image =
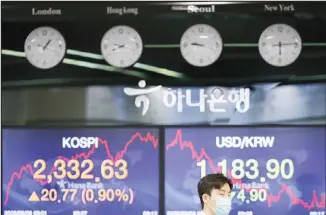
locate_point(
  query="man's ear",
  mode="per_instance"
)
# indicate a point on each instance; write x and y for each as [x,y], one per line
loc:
[205,198]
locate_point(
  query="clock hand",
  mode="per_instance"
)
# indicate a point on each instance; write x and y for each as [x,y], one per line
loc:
[197,44]
[119,47]
[202,45]
[280,48]
[126,46]
[46,45]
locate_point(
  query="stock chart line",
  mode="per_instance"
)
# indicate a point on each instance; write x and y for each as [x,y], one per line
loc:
[178,141]
[18,175]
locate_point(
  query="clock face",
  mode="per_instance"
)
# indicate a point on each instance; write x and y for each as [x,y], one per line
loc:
[121,46]
[280,45]
[201,45]
[45,47]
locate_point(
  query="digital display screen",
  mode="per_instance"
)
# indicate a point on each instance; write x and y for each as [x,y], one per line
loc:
[274,170]
[80,171]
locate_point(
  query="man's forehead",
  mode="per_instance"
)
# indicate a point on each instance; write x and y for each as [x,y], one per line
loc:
[225,188]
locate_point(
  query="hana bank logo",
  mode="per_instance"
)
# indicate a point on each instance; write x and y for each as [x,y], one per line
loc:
[141,97]
[179,98]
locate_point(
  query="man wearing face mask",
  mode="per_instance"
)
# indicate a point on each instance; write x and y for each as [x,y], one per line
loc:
[214,191]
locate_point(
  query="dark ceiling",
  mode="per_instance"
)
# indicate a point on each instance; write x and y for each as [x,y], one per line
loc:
[240,25]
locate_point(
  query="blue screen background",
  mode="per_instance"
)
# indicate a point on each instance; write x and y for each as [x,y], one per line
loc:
[24,146]
[304,145]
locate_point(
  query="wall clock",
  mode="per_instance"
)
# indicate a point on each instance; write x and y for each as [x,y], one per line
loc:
[280,45]
[45,47]
[201,45]
[121,46]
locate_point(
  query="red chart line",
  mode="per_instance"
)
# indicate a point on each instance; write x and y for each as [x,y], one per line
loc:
[177,141]
[28,168]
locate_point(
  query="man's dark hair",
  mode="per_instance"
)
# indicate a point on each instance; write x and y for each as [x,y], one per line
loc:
[210,182]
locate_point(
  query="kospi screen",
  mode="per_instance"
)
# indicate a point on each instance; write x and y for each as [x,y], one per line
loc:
[80,171]
[274,170]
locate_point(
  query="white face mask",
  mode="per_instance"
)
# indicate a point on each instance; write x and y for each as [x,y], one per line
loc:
[223,206]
